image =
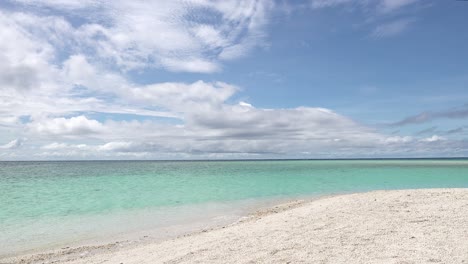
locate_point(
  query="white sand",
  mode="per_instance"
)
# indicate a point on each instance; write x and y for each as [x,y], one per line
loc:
[411,226]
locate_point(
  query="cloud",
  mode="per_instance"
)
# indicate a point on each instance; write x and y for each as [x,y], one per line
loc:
[427,131]
[8,120]
[391,29]
[383,16]
[65,146]
[116,146]
[425,117]
[397,139]
[209,122]
[66,85]
[63,4]
[382,6]
[26,53]
[434,138]
[192,36]
[455,131]
[18,77]
[212,126]
[392,5]
[333,3]
[243,130]
[74,126]
[182,97]
[190,65]
[206,121]
[14,144]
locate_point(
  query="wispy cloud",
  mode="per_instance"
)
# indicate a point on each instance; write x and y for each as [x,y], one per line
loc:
[64,81]
[457,130]
[188,36]
[392,5]
[382,6]
[392,28]
[429,130]
[385,16]
[330,3]
[424,117]
[14,144]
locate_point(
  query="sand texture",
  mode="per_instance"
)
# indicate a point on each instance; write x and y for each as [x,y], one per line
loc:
[408,226]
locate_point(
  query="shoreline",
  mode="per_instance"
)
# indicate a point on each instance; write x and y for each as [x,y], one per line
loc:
[247,209]
[286,212]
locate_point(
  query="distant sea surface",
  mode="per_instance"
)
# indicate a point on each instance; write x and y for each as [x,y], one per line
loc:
[46,204]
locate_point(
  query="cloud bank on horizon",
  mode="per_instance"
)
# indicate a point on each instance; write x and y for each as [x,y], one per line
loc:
[150,80]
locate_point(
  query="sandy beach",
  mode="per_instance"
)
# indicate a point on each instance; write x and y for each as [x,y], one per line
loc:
[405,226]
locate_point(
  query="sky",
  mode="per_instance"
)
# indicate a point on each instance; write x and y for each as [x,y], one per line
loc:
[233,79]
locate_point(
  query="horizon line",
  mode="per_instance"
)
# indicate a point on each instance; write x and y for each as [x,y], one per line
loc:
[261,159]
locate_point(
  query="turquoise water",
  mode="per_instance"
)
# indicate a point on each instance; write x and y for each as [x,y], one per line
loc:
[83,197]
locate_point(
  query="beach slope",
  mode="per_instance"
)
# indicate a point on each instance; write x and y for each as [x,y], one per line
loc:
[404,226]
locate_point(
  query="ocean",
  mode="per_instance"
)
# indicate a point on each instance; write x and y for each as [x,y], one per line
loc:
[49,204]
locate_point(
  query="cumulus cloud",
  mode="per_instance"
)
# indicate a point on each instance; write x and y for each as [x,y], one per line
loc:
[54,65]
[211,125]
[74,126]
[209,122]
[64,85]
[25,58]
[223,128]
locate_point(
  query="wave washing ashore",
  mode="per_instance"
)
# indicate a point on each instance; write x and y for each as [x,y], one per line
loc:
[48,205]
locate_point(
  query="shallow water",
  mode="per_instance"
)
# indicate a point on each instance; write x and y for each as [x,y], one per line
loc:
[50,203]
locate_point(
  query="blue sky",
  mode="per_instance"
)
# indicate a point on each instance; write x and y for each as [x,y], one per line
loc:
[202,79]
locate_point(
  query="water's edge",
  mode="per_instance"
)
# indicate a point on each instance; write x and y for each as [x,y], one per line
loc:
[247,211]
[81,249]
[51,204]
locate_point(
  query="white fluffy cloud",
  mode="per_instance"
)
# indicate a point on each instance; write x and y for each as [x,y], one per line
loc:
[434,138]
[74,126]
[25,57]
[64,86]
[212,125]
[206,121]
